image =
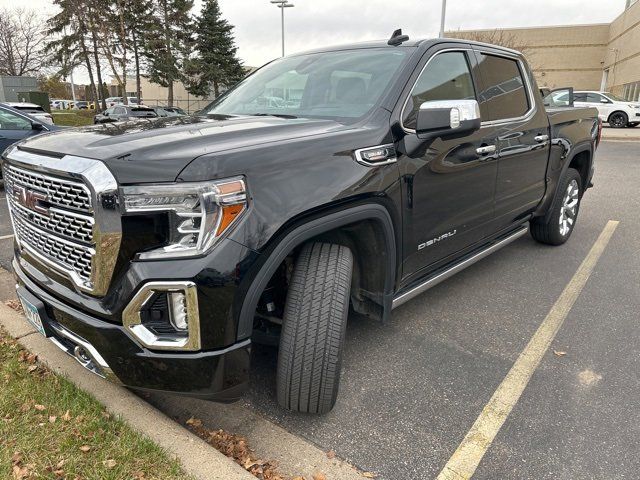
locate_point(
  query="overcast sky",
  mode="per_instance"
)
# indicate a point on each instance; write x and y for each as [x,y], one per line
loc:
[314,23]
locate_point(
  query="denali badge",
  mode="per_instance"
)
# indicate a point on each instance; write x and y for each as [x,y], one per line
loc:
[437,239]
[30,199]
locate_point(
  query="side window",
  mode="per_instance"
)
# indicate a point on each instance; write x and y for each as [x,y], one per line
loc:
[109,111]
[120,111]
[505,95]
[11,121]
[596,98]
[446,77]
[579,97]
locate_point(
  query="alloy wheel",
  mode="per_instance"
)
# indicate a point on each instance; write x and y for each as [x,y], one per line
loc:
[617,120]
[569,209]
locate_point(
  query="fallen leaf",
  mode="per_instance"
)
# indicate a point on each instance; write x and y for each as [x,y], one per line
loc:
[331,454]
[39,407]
[85,448]
[52,419]
[559,354]
[59,473]
[20,472]
[319,476]
[67,416]
[31,358]
[60,464]
[16,458]
[368,475]
[110,463]
[194,422]
[14,304]
[32,368]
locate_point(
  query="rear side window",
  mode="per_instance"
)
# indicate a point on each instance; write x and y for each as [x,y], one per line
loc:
[446,77]
[505,95]
[579,97]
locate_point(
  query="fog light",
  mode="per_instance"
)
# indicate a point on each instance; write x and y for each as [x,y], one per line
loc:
[164,316]
[178,310]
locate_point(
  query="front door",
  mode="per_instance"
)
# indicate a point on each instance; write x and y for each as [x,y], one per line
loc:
[448,183]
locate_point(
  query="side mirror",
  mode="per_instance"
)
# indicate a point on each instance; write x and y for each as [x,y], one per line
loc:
[37,126]
[447,117]
[604,100]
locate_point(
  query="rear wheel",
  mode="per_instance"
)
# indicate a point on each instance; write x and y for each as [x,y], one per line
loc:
[313,330]
[566,205]
[618,120]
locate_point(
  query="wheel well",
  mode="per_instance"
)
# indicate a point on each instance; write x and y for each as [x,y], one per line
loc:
[366,240]
[581,163]
[613,113]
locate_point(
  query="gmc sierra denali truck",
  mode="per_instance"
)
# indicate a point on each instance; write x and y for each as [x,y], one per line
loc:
[345,179]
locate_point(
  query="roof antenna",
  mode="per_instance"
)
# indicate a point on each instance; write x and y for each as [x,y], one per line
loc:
[397,38]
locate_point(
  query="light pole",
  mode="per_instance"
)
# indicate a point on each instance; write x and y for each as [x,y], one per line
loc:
[442,17]
[282,4]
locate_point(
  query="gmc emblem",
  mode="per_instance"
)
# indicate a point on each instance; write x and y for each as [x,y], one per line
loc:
[30,199]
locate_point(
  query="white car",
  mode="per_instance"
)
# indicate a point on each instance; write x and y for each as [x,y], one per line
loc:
[34,110]
[113,101]
[614,110]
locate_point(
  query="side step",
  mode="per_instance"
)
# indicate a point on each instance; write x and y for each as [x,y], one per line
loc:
[430,282]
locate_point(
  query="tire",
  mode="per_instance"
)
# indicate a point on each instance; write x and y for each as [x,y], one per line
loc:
[314,326]
[565,209]
[618,120]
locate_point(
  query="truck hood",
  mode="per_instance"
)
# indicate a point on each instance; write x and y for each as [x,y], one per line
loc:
[157,150]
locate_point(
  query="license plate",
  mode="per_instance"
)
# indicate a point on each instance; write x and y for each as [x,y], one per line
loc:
[32,314]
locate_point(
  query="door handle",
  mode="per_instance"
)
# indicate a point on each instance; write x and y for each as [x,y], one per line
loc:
[486,150]
[541,138]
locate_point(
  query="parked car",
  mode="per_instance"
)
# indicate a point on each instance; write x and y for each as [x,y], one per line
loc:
[16,125]
[34,110]
[84,105]
[405,162]
[61,104]
[112,101]
[169,111]
[121,113]
[615,111]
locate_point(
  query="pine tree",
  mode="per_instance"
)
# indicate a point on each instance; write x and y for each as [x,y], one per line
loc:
[167,42]
[215,62]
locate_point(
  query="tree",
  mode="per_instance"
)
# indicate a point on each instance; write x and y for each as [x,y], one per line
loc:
[68,46]
[138,23]
[114,41]
[54,86]
[215,62]
[22,42]
[168,42]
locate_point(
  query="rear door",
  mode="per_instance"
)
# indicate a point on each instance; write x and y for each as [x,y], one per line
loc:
[520,133]
[448,182]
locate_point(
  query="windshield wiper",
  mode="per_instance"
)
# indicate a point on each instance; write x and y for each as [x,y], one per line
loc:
[279,115]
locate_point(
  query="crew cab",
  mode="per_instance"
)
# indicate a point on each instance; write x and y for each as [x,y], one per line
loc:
[157,252]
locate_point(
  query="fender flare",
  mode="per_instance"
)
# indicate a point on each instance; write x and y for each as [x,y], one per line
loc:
[304,232]
[585,147]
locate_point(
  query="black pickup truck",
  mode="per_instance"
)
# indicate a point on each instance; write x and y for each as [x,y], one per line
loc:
[344,179]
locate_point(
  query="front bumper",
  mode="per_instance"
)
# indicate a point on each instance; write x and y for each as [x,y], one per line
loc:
[109,351]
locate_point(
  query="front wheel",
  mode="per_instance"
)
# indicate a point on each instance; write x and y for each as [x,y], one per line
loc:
[618,120]
[562,220]
[313,330]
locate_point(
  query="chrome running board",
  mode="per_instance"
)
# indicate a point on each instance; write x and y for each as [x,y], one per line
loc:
[449,272]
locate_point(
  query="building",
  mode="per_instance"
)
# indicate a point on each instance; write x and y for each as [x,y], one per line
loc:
[587,57]
[11,87]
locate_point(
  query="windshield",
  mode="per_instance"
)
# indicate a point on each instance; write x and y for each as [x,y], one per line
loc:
[614,97]
[142,112]
[336,85]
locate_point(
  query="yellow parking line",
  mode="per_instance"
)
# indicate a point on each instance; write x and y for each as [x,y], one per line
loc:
[465,460]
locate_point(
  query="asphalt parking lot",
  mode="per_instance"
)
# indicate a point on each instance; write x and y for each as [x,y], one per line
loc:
[412,389]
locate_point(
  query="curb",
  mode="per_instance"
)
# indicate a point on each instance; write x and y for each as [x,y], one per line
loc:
[196,456]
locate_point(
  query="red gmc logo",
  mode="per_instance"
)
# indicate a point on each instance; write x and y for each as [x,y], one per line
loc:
[30,199]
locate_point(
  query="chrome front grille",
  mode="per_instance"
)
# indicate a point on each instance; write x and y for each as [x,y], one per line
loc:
[59,216]
[60,235]
[63,193]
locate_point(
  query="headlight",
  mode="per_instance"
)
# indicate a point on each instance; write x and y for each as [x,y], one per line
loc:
[199,213]
[634,106]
